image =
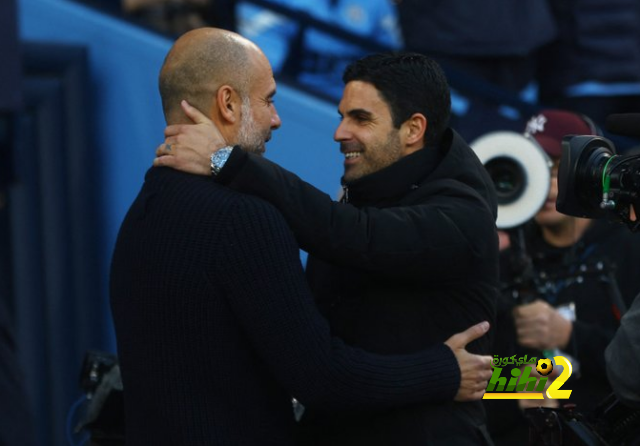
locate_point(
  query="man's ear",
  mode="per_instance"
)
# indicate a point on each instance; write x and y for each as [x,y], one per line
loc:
[416,128]
[227,102]
[412,132]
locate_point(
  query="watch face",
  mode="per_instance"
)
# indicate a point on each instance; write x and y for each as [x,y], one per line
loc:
[219,158]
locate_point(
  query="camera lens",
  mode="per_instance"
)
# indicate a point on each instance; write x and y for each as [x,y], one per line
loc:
[508,177]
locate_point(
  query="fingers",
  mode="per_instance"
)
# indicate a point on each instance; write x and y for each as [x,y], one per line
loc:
[475,372]
[472,389]
[165,149]
[166,161]
[460,340]
[194,114]
[532,309]
[172,130]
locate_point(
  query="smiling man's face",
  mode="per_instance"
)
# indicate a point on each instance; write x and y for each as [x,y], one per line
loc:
[366,133]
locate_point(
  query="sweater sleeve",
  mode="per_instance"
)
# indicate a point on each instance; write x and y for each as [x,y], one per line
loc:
[270,298]
[433,238]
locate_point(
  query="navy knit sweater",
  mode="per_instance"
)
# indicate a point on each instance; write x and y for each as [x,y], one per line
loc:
[216,327]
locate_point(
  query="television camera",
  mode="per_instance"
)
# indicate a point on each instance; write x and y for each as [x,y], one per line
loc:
[594,181]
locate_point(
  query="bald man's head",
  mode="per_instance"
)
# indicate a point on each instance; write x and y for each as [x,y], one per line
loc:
[199,63]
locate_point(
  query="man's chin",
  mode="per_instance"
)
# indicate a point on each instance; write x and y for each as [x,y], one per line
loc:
[350,177]
[260,150]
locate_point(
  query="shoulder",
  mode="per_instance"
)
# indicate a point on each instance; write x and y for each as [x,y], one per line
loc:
[201,199]
[254,222]
[250,207]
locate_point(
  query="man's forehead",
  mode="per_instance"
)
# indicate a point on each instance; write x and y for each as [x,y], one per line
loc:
[264,85]
[359,95]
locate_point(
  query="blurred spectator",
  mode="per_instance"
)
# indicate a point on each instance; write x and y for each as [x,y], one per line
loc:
[179,16]
[481,45]
[172,16]
[593,67]
[623,357]
[583,275]
[314,58]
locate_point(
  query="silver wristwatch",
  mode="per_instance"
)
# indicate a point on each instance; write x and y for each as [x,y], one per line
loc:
[219,158]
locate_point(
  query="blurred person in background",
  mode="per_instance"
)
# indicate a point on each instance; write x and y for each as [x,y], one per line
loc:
[584,273]
[483,46]
[623,357]
[309,56]
[593,66]
[179,16]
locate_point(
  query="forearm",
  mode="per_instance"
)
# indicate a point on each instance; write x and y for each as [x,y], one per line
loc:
[404,239]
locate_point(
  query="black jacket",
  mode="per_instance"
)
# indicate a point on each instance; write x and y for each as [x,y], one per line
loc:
[217,329]
[407,259]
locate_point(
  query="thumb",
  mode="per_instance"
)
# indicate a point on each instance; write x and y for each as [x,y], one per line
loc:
[460,340]
[194,114]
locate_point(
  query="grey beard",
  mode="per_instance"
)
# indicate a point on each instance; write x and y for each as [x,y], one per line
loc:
[249,136]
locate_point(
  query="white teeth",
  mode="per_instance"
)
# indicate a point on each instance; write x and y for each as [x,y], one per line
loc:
[351,155]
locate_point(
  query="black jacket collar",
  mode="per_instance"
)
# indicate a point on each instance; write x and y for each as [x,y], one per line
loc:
[394,181]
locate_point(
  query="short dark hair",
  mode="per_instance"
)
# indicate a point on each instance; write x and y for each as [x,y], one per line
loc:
[409,83]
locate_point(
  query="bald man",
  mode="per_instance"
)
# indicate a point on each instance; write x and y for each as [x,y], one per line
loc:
[216,327]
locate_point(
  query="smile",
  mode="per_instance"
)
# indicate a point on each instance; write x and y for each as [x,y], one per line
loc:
[351,155]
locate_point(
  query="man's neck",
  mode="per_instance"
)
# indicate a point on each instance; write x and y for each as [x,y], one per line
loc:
[565,234]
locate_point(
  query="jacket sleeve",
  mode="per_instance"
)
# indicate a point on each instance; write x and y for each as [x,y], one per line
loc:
[588,342]
[623,357]
[434,238]
[275,309]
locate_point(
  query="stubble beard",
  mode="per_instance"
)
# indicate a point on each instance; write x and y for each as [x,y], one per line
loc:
[250,138]
[374,158]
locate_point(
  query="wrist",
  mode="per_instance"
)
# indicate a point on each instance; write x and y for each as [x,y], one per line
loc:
[218,159]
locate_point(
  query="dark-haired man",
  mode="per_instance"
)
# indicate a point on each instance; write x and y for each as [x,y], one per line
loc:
[410,252]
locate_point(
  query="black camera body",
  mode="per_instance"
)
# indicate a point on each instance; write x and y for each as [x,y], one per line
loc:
[595,182]
[612,423]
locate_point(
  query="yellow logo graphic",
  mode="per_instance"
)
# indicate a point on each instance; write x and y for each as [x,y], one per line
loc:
[544,366]
[521,381]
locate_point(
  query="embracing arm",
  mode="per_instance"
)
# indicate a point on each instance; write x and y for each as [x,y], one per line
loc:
[431,238]
[275,309]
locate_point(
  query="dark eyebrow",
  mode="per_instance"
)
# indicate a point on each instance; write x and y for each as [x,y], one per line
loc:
[360,113]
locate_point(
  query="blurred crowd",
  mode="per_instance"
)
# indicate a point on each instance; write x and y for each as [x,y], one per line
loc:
[504,60]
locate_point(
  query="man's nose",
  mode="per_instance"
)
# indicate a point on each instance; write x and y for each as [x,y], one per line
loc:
[341,133]
[275,120]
